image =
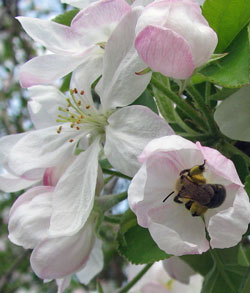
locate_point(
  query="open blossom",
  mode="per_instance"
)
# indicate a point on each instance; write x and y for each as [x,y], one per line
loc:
[174,38]
[73,48]
[79,119]
[170,223]
[54,257]
[159,278]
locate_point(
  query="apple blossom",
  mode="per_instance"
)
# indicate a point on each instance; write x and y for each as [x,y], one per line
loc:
[73,48]
[54,257]
[171,225]
[233,117]
[157,279]
[79,119]
[173,37]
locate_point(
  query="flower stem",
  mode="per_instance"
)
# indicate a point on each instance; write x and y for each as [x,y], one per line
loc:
[115,173]
[135,279]
[108,201]
[205,110]
[232,149]
[180,103]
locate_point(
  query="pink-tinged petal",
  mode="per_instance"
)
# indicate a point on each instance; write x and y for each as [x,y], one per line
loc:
[178,269]
[165,51]
[185,19]
[45,69]
[227,227]
[226,168]
[183,153]
[43,105]
[125,141]
[30,217]
[59,257]
[56,37]
[12,183]
[157,176]
[41,148]
[170,225]
[73,198]
[94,264]
[53,174]
[120,83]
[63,284]
[98,20]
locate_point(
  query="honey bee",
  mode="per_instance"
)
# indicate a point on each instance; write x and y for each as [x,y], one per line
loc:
[193,191]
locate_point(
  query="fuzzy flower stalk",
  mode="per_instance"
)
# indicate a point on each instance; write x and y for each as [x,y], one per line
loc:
[191,175]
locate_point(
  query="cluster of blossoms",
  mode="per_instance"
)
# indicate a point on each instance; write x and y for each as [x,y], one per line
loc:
[114,45]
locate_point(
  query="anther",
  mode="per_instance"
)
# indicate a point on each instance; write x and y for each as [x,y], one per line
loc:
[78,121]
[71,140]
[72,116]
[79,103]
[82,92]
[82,116]
[77,128]
[72,125]
[59,129]
[75,91]
[87,107]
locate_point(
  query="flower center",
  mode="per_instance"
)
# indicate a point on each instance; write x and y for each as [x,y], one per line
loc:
[81,113]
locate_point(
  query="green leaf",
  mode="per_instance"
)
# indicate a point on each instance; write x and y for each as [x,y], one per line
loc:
[233,70]
[241,167]
[66,17]
[136,244]
[146,99]
[227,18]
[203,263]
[245,284]
[224,280]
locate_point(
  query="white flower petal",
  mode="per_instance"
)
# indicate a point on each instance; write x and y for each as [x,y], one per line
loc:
[78,3]
[30,217]
[227,227]
[128,132]
[58,257]
[120,83]
[73,198]
[63,284]
[58,38]
[94,264]
[233,117]
[43,105]
[178,269]
[42,148]
[175,230]
[12,183]
[45,69]
[88,72]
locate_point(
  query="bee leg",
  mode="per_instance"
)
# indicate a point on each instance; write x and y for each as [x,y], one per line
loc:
[176,199]
[197,209]
[188,204]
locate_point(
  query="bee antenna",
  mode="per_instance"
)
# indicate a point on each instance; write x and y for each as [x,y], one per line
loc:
[167,196]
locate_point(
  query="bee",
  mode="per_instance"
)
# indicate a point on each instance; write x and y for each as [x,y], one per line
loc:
[193,191]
